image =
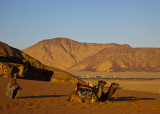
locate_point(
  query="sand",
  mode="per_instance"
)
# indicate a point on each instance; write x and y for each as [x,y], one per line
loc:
[51,98]
[133,84]
[139,81]
[127,74]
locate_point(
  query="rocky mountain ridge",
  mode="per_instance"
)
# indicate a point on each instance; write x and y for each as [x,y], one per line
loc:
[68,54]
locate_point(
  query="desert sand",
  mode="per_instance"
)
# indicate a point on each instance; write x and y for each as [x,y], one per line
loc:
[51,98]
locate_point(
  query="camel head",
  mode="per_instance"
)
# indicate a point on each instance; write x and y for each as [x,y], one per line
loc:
[102,83]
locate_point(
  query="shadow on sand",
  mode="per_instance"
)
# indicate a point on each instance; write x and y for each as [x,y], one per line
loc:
[41,96]
[133,99]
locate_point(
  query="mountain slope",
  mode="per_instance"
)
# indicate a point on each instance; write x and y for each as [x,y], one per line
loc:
[63,52]
[15,63]
[122,59]
[67,54]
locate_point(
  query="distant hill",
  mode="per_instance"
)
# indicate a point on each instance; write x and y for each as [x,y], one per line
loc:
[15,63]
[68,54]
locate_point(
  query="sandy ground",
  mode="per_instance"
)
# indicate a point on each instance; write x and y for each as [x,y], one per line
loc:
[38,97]
[128,74]
[132,84]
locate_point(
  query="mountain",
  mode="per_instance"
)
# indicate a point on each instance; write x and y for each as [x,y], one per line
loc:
[68,54]
[118,59]
[15,63]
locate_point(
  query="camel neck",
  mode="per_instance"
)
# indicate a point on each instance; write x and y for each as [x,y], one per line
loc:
[100,89]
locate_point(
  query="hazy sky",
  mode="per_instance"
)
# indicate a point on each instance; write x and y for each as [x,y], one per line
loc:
[134,22]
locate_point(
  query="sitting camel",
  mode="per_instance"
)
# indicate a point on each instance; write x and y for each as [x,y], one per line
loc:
[84,93]
[106,96]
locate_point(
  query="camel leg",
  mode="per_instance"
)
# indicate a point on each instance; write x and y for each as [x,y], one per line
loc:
[111,90]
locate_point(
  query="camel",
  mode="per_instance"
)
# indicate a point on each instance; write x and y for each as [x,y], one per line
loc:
[92,94]
[106,96]
[77,96]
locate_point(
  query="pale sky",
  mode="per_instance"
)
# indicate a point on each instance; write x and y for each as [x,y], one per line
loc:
[26,22]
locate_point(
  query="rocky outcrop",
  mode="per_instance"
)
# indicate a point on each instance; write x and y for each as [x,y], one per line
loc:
[67,54]
[12,67]
[15,63]
[11,70]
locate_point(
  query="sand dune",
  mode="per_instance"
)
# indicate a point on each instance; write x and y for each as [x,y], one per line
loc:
[50,98]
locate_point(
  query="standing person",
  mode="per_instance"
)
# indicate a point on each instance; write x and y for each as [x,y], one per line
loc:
[13,89]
